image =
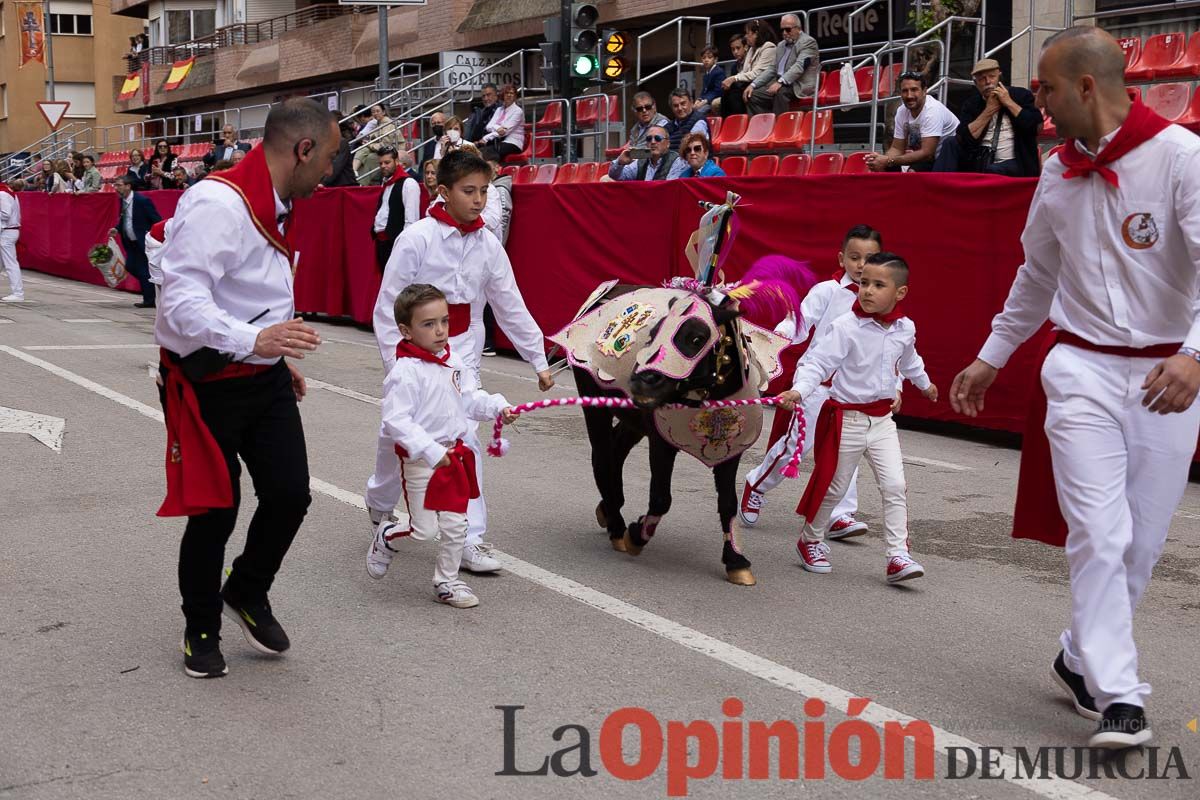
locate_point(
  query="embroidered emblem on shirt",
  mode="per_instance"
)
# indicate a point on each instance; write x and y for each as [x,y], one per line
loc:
[456,379]
[621,331]
[1139,231]
[176,456]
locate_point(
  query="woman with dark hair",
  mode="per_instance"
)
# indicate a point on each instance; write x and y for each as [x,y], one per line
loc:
[162,163]
[758,66]
[139,171]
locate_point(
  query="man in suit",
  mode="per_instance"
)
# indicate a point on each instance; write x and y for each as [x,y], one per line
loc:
[225,149]
[798,66]
[998,129]
[476,126]
[135,217]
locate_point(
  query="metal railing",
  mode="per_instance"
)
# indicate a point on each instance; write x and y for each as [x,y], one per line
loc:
[679,60]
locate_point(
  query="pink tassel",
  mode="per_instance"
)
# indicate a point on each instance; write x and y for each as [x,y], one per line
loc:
[792,470]
[498,448]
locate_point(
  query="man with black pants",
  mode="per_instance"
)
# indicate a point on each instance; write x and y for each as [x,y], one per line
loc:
[135,218]
[226,323]
[998,130]
[399,205]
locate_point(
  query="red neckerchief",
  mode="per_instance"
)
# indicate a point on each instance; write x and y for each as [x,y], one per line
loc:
[889,317]
[251,179]
[407,349]
[827,446]
[1139,127]
[440,213]
[159,231]
[851,286]
[6,189]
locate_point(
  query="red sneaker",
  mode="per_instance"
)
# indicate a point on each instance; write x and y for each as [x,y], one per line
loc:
[814,556]
[752,503]
[903,568]
[845,527]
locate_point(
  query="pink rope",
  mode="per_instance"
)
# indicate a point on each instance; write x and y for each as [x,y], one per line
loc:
[499,445]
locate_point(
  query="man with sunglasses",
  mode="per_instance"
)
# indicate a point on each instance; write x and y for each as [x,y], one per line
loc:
[663,163]
[645,111]
[798,66]
[923,124]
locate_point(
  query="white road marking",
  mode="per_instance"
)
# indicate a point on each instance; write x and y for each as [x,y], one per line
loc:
[756,666]
[347,341]
[6,321]
[46,429]
[85,320]
[89,346]
[313,383]
[933,462]
[111,294]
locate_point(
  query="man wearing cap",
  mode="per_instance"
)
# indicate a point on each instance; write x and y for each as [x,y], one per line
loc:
[998,131]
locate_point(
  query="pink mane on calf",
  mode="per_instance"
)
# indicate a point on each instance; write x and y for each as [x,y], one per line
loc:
[779,285]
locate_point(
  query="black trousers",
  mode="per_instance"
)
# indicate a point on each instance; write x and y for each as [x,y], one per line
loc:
[257,418]
[953,157]
[732,101]
[506,149]
[383,251]
[137,266]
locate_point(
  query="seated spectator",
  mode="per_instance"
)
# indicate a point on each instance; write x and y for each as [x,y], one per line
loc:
[138,173]
[221,166]
[481,115]
[663,163]
[758,68]
[342,171]
[48,180]
[224,150]
[180,177]
[75,163]
[429,184]
[797,70]
[373,138]
[710,89]
[695,150]
[506,130]
[452,136]
[686,118]
[92,179]
[645,111]
[922,125]
[997,131]
[162,163]
[238,155]
[69,182]
[437,129]
[19,185]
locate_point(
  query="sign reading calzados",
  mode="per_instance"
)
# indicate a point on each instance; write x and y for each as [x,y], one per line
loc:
[474,69]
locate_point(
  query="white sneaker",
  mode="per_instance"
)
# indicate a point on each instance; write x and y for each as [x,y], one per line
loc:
[457,594]
[378,517]
[380,554]
[479,558]
[13,298]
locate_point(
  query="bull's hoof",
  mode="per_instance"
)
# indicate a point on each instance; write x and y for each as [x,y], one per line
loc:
[740,577]
[601,519]
[627,545]
[619,545]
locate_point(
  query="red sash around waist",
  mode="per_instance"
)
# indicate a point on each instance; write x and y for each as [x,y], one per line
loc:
[460,318]
[1037,514]
[453,486]
[827,447]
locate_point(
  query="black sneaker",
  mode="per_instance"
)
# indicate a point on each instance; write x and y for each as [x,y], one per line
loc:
[202,655]
[488,352]
[262,630]
[1123,726]
[1072,683]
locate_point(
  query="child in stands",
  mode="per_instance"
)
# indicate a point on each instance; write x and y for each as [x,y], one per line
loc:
[429,398]
[824,303]
[863,352]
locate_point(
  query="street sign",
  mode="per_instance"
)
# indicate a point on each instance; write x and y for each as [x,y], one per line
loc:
[53,111]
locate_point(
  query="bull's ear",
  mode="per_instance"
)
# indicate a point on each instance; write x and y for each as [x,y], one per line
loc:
[726,313]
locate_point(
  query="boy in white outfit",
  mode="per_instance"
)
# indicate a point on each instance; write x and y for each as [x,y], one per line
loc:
[863,352]
[10,231]
[823,304]
[428,402]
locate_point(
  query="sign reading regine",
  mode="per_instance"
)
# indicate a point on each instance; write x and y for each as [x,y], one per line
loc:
[474,69]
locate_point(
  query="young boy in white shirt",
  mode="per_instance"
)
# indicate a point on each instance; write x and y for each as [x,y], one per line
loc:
[429,399]
[863,352]
[823,304]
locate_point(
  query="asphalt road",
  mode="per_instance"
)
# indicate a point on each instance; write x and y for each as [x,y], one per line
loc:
[388,694]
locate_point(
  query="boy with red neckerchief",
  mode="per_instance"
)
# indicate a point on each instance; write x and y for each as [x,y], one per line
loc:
[429,398]
[864,352]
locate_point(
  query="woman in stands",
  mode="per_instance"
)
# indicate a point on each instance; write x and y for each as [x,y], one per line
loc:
[48,180]
[69,182]
[506,131]
[760,40]
[452,135]
[162,163]
[695,149]
[138,172]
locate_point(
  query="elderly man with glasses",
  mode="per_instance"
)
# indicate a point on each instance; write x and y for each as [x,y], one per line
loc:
[645,111]
[798,66]
[663,163]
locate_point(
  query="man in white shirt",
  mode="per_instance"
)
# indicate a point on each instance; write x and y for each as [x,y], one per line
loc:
[1112,245]
[922,124]
[10,231]
[399,205]
[226,322]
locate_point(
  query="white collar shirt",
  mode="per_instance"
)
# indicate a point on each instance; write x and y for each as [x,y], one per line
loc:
[219,273]
[865,358]
[472,270]
[427,406]
[823,304]
[411,192]
[1114,266]
[10,211]
[127,217]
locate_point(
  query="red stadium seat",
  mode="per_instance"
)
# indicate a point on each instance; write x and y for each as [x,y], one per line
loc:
[714,127]
[545,149]
[733,128]
[508,170]
[566,173]
[525,175]
[1049,131]
[1191,118]
[1134,92]
[586,172]
[794,165]
[764,167]
[1160,53]
[587,111]
[552,118]
[614,108]
[864,78]
[734,166]
[827,164]
[1046,154]
[1169,100]
[1132,45]
[824,128]
[758,132]
[1189,65]
[856,164]
[888,78]
[545,173]
[787,135]
[831,89]
[114,158]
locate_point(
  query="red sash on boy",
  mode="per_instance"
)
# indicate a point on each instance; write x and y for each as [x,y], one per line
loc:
[1140,126]
[251,179]
[1037,514]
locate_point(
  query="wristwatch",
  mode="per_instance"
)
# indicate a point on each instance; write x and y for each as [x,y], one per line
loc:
[1190,352]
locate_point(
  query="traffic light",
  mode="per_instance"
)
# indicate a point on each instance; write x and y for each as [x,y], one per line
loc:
[615,65]
[584,38]
[552,55]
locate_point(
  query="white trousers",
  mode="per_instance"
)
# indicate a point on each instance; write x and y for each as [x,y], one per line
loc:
[384,488]
[425,524]
[767,475]
[8,255]
[877,439]
[1120,472]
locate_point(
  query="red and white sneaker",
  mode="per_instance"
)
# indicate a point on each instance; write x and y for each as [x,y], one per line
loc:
[814,556]
[903,568]
[752,503]
[845,527]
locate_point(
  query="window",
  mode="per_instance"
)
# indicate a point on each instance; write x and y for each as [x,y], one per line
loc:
[184,26]
[81,96]
[3,97]
[71,24]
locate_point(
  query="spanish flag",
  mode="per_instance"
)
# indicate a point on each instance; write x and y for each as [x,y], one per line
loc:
[133,83]
[179,71]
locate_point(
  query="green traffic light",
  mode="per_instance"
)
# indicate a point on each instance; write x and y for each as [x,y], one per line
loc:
[585,65]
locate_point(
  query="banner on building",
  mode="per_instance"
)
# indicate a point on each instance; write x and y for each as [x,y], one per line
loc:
[129,89]
[179,72]
[33,33]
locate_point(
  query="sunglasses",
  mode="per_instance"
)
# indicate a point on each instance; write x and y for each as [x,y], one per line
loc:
[656,138]
[911,76]
[786,28]
[696,148]
[643,108]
